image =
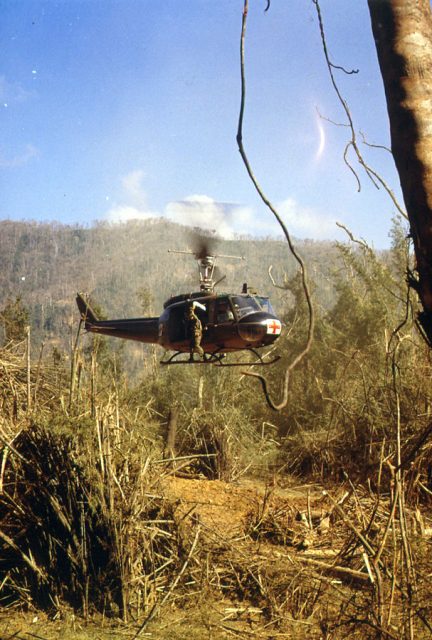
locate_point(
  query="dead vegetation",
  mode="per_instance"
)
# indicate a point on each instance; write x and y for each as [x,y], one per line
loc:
[94,520]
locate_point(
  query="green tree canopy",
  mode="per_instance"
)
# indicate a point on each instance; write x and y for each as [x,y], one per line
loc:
[14,317]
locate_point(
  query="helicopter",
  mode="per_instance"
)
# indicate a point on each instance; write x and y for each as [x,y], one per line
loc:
[230,322]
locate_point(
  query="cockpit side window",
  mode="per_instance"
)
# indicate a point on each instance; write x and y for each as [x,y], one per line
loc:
[223,311]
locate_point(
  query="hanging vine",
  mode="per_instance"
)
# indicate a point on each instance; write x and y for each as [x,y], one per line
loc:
[277,406]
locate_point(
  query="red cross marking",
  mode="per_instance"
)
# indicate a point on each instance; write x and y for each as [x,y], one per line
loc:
[273,326]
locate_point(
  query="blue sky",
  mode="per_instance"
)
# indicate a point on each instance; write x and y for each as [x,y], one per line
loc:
[121,109]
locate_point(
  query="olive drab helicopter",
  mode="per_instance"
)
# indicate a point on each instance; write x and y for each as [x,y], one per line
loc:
[228,322]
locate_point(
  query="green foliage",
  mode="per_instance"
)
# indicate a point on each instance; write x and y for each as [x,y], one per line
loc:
[146,300]
[342,398]
[15,318]
[400,256]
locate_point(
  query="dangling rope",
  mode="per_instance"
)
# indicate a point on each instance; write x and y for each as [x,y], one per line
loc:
[274,405]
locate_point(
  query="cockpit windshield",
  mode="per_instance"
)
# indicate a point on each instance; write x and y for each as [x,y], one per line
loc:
[243,305]
[265,304]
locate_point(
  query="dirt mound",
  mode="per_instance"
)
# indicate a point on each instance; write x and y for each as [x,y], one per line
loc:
[230,510]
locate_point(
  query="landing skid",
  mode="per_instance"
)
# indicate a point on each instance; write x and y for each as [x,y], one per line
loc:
[218,360]
[208,358]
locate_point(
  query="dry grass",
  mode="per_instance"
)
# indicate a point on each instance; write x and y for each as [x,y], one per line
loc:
[90,524]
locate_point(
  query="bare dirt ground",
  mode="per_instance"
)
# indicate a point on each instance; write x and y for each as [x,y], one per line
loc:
[274,564]
[225,507]
[226,513]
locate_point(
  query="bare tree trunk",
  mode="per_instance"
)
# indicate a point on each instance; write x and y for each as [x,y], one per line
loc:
[403,36]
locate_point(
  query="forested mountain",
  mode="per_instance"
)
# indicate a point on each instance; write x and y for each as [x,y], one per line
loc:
[128,271]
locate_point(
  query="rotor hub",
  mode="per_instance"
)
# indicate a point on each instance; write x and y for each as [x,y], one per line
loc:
[206,267]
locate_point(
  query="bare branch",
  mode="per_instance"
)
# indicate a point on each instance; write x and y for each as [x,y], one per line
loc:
[350,167]
[302,267]
[374,146]
[326,119]
[372,257]
[350,235]
[336,66]
[277,286]
[372,175]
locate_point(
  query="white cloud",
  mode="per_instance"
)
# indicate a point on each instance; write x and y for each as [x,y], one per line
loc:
[225,218]
[306,223]
[203,212]
[254,224]
[132,184]
[135,205]
[123,213]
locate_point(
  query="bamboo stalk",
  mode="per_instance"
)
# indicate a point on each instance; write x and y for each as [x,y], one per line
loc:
[73,365]
[27,558]
[38,373]
[336,569]
[28,342]
[173,585]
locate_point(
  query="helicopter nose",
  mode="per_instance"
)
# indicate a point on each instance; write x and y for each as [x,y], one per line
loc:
[262,328]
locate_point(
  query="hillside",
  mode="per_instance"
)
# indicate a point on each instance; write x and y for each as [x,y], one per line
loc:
[47,263]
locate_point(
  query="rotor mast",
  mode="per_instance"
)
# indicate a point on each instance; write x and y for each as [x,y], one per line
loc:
[206,268]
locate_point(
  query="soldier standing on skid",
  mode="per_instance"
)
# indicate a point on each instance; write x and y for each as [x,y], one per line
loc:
[194,332]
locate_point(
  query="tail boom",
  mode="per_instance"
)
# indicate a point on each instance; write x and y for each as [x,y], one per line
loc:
[138,329]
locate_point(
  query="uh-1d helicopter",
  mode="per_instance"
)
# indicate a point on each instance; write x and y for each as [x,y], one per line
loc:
[229,322]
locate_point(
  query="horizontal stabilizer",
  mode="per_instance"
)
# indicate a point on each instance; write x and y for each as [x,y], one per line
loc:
[87,313]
